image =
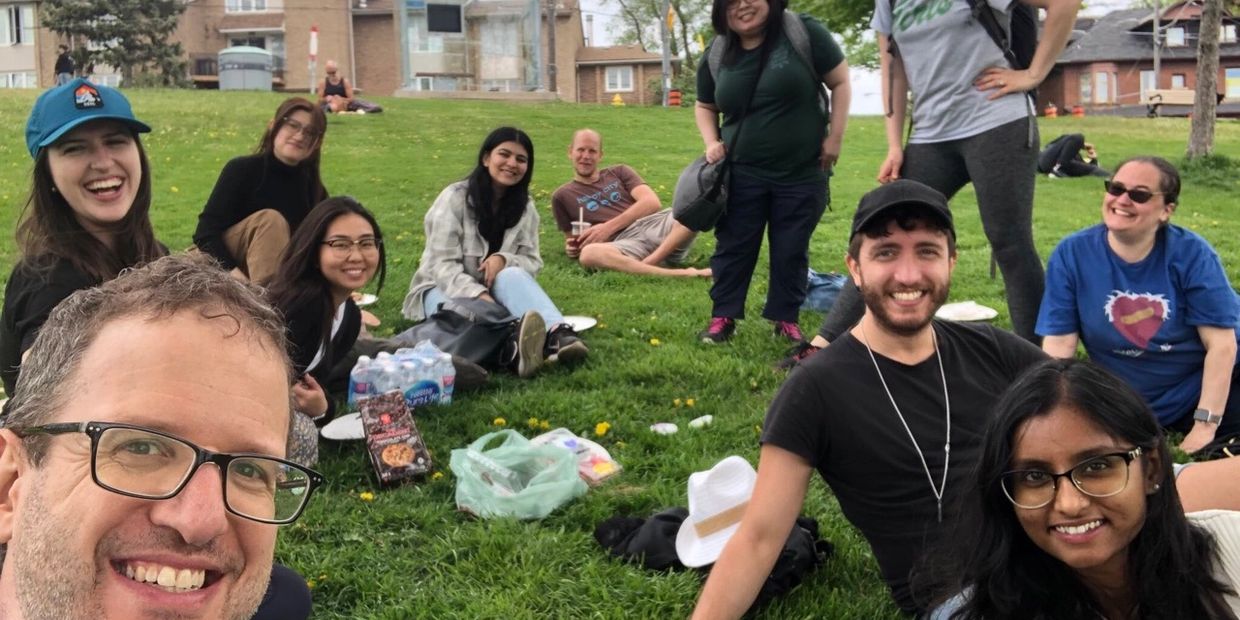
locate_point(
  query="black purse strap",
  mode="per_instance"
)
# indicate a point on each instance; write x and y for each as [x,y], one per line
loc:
[740,120]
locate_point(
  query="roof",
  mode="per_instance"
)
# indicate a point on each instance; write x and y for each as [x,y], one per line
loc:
[1120,36]
[618,54]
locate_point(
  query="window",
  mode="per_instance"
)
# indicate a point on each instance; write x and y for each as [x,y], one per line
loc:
[19,79]
[244,6]
[259,42]
[1087,88]
[1232,81]
[620,79]
[1177,80]
[17,25]
[206,66]
[1175,36]
[1102,90]
[1147,82]
[1227,33]
[443,18]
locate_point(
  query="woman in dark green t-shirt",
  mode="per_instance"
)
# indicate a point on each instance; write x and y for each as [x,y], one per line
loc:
[766,90]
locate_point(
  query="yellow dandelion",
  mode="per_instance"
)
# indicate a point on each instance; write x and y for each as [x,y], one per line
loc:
[676,402]
[366,496]
[601,429]
[437,475]
[532,422]
[499,422]
[175,189]
[690,402]
[545,425]
[310,583]
[654,342]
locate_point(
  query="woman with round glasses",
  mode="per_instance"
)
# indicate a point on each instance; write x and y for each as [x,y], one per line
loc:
[88,213]
[260,199]
[336,251]
[1151,303]
[1074,512]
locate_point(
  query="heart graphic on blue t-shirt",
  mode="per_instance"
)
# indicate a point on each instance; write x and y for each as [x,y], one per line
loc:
[1137,316]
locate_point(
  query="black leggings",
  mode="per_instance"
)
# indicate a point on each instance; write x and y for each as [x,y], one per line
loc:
[1001,164]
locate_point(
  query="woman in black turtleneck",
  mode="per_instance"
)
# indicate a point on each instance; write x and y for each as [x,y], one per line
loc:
[260,199]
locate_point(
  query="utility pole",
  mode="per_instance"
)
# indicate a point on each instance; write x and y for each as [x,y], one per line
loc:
[667,51]
[551,70]
[1157,43]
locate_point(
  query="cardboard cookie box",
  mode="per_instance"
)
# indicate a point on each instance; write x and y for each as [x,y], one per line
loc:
[395,446]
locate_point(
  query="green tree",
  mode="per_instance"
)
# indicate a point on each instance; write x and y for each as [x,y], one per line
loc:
[129,35]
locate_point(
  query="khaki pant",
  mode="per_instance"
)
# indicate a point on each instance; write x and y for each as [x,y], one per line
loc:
[257,242]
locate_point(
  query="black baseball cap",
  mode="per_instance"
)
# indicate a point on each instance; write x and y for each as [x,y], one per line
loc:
[899,193]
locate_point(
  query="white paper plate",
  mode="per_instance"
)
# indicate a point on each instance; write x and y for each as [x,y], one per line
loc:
[344,428]
[364,299]
[966,311]
[581,323]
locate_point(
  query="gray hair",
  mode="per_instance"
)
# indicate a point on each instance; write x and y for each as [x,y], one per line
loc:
[156,291]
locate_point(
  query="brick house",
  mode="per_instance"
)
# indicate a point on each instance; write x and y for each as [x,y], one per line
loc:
[624,70]
[1109,62]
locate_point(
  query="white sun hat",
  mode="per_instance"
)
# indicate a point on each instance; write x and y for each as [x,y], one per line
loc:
[717,501]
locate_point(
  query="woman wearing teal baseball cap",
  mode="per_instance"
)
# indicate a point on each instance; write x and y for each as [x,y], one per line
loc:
[88,214]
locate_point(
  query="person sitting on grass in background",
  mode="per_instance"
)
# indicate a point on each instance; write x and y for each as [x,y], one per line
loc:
[1152,303]
[1072,512]
[110,510]
[88,213]
[1062,158]
[482,242]
[260,199]
[335,93]
[337,250]
[627,231]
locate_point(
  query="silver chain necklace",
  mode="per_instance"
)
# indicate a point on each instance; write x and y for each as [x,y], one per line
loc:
[947,404]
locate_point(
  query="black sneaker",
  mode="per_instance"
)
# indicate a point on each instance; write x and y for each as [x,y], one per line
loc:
[526,347]
[719,330]
[798,354]
[564,345]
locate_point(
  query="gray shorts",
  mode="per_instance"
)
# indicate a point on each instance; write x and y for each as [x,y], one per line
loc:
[643,237]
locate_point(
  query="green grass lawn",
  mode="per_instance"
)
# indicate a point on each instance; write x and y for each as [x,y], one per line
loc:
[409,553]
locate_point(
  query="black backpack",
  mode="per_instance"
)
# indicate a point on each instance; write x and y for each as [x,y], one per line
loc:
[1023,42]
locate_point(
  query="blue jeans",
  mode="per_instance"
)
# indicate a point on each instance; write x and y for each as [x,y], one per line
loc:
[63,78]
[514,289]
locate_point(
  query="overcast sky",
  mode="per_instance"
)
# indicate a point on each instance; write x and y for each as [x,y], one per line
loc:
[866,84]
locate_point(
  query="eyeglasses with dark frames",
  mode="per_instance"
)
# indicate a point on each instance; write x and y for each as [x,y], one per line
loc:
[1138,195]
[148,464]
[298,127]
[1098,476]
[342,246]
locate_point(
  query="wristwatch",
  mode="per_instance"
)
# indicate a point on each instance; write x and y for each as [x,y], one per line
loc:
[1204,415]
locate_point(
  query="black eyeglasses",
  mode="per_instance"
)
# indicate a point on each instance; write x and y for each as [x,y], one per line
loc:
[1138,195]
[343,247]
[1098,476]
[301,128]
[139,462]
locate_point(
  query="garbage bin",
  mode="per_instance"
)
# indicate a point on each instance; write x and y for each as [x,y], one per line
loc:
[245,68]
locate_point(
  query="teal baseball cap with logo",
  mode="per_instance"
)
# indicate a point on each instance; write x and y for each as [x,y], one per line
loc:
[58,110]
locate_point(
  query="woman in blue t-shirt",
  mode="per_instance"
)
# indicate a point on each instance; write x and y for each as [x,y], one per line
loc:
[1151,303]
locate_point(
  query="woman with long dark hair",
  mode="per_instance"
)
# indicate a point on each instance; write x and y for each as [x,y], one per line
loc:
[1075,514]
[259,200]
[1151,302]
[767,90]
[482,242]
[337,250]
[88,213]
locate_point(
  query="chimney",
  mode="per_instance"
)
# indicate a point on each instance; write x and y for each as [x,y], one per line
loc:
[589,30]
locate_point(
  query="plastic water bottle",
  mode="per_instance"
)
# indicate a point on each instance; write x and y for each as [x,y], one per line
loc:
[360,380]
[425,389]
[388,376]
[447,378]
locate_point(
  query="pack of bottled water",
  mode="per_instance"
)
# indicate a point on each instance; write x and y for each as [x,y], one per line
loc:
[423,373]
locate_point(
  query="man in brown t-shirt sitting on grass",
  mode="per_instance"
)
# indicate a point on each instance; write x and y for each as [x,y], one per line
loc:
[627,231]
